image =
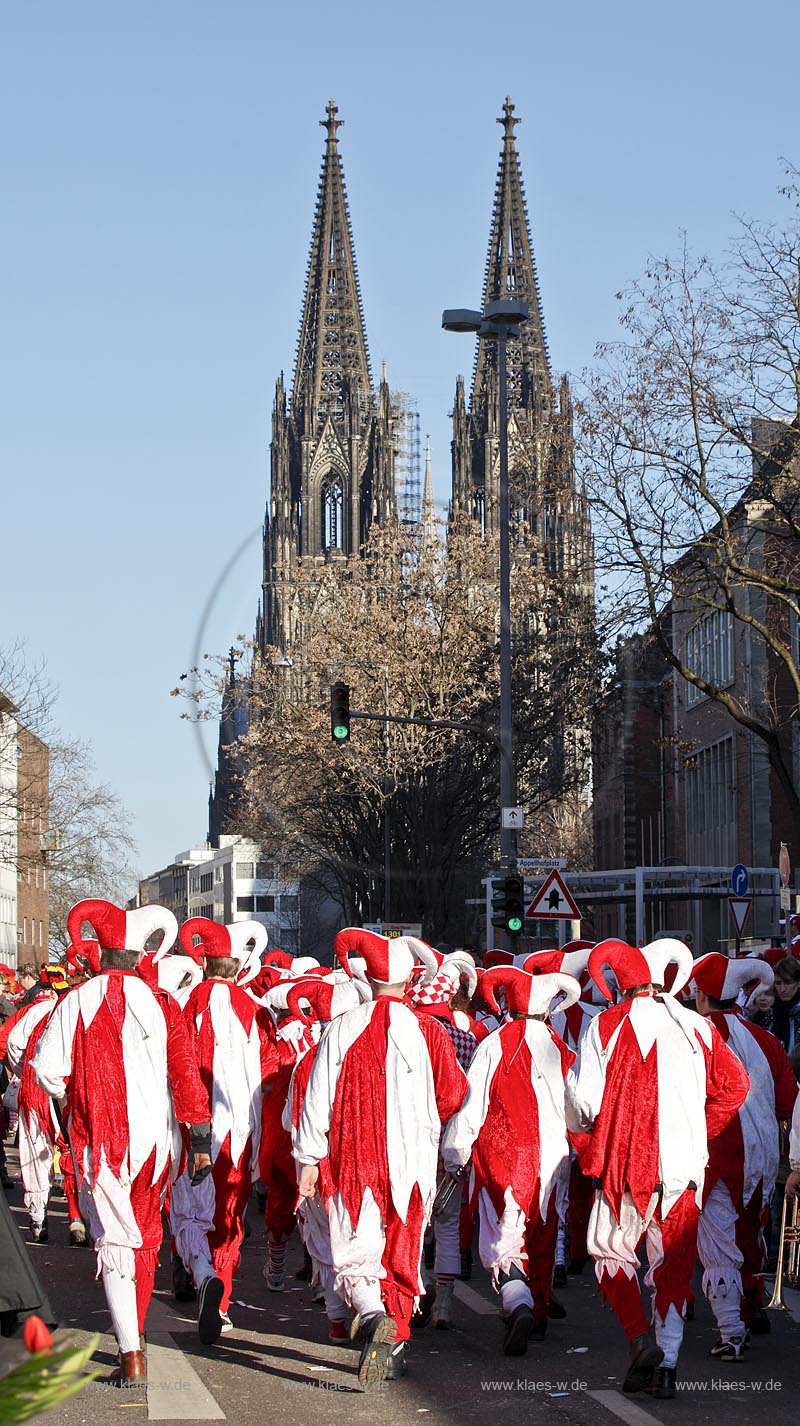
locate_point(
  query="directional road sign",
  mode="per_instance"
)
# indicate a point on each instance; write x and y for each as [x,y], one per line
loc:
[739,880]
[553,902]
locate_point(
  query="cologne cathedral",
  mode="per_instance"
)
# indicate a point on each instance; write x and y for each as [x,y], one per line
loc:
[335,439]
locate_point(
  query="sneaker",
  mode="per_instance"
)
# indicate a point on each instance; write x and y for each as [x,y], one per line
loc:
[77,1234]
[227,1325]
[559,1275]
[519,1327]
[39,1232]
[728,1349]
[209,1317]
[555,1310]
[318,1295]
[338,1331]
[378,1334]
[276,1282]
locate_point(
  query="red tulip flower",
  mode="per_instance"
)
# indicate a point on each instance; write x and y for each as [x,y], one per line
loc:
[36,1335]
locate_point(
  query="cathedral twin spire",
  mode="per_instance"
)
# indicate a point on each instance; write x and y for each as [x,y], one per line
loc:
[332,354]
[333,441]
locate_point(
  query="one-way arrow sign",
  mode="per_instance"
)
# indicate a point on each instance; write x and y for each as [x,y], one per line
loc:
[553,902]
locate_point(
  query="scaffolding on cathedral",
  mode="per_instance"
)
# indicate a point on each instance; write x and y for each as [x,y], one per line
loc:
[407,458]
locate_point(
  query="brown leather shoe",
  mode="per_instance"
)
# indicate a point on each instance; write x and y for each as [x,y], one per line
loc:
[645,1356]
[131,1372]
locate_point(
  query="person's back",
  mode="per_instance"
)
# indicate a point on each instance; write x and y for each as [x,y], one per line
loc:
[384,1080]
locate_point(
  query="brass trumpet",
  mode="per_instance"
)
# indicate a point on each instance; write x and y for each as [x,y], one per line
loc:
[788,1252]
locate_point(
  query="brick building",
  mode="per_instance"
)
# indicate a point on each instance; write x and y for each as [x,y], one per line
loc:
[677,779]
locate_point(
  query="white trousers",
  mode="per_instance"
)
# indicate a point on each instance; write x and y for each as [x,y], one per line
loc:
[721,1260]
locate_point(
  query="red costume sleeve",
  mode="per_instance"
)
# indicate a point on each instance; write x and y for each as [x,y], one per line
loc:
[727,1083]
[188,1093]
[8,1027]
[782,1072]
[450,1082]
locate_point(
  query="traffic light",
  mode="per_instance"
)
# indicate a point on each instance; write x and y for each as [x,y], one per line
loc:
[515,905]
[340,712]
[508,906]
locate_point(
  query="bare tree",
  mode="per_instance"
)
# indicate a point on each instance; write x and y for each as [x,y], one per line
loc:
[411,625]
[83,839]
[90,840]
[690,445]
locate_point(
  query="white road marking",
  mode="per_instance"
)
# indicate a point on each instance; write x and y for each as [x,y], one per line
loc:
[623,1407]
[174,1390]
[475,1300]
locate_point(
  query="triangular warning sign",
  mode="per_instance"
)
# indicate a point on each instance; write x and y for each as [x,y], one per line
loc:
[553,902]
[740,910]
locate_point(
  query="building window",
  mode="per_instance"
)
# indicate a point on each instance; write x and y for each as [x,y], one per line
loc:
[265,903]
[709,652]
[711,805]
[208,912]
[332,506]
[206,881]
[290,906]
[245,871]
[245,903]
[263,871]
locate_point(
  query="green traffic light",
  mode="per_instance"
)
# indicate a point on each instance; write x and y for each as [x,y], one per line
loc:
[514,923]
[341,732]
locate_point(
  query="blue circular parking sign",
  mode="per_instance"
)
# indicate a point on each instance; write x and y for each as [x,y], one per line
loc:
[740,880]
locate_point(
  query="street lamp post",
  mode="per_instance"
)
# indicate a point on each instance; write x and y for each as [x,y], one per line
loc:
[496,323]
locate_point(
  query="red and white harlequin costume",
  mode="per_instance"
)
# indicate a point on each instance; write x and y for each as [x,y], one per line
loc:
[432,996]
[39,1129]
[384,1081]
[108,1048]
[570,1025]
[512,1123]
[229,1036]
[744,1158]
[319,1001]
[654,1082]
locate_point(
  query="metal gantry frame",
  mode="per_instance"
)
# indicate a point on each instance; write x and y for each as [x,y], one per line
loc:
[637,886]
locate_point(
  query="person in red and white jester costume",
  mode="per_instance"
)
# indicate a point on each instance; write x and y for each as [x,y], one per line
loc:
[383,1083]
[317,1001]
[653,1084]
[39,1130]
[276,1167]
[512,1123]
[744,1158]
[433,996]
[234,1053]
[571,1025]
[109,1055]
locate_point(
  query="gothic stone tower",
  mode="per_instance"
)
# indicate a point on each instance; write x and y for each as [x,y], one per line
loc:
[542,484]
[332,465]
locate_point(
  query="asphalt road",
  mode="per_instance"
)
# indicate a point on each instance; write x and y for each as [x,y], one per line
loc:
[277,1365]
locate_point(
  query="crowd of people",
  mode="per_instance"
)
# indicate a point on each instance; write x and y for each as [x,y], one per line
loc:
[569,1106]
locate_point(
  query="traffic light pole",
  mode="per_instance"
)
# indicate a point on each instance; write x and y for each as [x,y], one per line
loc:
[508,837]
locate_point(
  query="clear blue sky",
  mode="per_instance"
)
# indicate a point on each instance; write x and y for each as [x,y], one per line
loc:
[159,169]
